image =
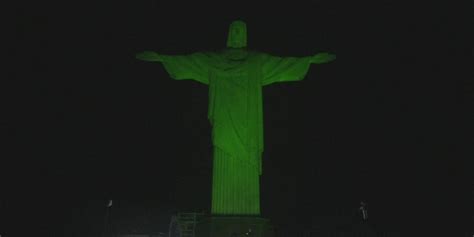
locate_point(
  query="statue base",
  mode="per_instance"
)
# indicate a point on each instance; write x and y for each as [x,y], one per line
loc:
[234,226]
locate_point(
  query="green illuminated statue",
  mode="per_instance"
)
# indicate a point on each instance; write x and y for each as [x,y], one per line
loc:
[235,77]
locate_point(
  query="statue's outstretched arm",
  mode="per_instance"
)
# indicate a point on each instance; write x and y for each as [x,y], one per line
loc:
[149,56]
[193,66]
[323,58]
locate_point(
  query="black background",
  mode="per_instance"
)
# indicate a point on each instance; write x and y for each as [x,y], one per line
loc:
[388,122]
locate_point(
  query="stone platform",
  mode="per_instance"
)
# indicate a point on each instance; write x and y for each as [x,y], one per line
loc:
[234,226]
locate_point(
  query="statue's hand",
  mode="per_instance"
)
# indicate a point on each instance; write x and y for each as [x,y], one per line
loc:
[323,58]
[148,56]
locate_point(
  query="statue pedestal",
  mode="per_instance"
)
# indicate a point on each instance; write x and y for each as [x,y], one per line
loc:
[234,226]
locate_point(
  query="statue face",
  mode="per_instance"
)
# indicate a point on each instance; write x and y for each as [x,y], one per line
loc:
[237,37]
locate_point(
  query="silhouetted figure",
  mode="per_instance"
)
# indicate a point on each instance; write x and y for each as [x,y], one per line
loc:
[363,211]
[107,227]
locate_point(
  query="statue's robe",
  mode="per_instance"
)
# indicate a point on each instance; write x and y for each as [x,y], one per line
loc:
[235,79]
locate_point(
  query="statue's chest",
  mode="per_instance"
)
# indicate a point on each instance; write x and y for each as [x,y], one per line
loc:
[233,75]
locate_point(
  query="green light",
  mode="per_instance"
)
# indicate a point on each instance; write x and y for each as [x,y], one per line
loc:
[235,77]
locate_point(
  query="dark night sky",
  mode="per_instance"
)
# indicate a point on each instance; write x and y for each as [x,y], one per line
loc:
[85,121]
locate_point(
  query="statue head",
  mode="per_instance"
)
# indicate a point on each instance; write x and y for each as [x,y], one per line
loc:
[237,37]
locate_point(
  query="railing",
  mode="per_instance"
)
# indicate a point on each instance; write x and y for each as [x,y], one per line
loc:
[186,223]
[319,233]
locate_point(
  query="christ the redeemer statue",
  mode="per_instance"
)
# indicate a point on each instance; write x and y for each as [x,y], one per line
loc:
[235,77]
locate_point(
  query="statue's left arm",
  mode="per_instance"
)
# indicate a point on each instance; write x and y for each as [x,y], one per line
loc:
[284,69]
[323,58]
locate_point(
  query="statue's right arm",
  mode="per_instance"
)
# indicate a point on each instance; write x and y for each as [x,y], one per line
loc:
[149,56]
[180,67]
